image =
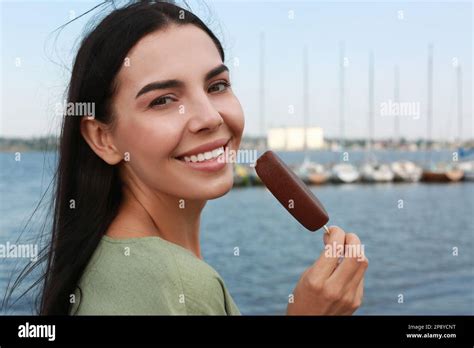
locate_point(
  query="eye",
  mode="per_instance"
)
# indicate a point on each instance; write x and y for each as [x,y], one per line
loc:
[219,87]
[161,101]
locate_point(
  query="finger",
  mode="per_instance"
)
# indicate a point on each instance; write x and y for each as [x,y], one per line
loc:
[358,297]
[351,263]
[360,289]
[360,273]
[327,261]
[331,230]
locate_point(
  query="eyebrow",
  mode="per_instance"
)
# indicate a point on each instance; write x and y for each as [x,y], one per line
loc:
[178,83]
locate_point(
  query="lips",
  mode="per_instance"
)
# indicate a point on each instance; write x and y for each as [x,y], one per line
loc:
[205,152]
[207,158]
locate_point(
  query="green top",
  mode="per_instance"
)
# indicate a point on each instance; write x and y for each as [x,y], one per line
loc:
[149,276]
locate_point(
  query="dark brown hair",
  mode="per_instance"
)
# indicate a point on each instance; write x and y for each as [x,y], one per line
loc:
[81,175]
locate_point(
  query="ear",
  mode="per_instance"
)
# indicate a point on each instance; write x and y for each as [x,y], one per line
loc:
[100,140]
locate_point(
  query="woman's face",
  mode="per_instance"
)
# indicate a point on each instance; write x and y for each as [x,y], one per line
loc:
[175,114]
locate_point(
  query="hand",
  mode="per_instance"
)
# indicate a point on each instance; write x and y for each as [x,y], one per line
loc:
[331,287]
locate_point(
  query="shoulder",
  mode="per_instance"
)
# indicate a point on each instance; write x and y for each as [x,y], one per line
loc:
[136,276]
[203,288]
[148,275]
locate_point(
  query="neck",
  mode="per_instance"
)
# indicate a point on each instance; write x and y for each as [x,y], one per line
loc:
[149,213]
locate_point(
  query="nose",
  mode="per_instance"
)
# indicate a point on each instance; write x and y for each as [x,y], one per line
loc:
[204,116]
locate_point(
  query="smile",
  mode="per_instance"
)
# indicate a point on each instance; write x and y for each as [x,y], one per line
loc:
[208,157]
[205,156]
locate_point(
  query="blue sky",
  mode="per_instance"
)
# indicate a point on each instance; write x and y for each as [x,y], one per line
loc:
[397,32]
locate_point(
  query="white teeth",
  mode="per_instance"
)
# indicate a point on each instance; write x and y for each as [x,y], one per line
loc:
[215,153]
[205,155]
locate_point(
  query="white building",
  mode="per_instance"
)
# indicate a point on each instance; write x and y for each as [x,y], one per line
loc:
[292,138]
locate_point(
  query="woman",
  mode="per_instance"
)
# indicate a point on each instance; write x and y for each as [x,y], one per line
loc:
[134,177]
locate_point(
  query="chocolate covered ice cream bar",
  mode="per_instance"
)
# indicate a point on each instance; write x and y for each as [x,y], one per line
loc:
[291,192]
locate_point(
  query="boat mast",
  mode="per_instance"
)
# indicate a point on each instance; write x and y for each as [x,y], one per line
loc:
[371,103]
[396,99]
[459,100]
[341,96]
[305,103]
[429,111]
[262,85]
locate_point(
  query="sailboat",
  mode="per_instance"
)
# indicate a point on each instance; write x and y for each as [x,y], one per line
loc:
[241,175]
[309,172]
[250,173]
[254,179]
[343,172]
[312,173]
[376,173]
[466,165]
[371,170]
[441,172]
[468,168]
[403,170]
[406,171]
